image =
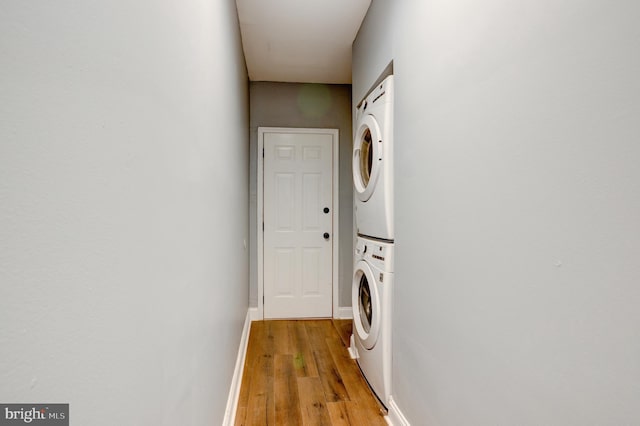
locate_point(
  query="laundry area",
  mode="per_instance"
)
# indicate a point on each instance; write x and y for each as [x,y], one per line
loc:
[325,212]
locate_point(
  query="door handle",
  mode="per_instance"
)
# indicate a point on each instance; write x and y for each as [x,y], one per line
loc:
[326,235]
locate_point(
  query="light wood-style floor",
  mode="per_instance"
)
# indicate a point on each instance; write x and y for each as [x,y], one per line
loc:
[298,372]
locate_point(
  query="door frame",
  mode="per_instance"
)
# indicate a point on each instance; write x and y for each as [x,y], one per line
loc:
[334,218]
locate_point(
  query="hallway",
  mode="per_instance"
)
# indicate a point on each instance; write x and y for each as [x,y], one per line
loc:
[129,213]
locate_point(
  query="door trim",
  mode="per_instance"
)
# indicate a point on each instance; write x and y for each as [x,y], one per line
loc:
[335,216]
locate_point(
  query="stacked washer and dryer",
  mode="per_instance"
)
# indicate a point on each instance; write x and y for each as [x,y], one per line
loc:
[372,289]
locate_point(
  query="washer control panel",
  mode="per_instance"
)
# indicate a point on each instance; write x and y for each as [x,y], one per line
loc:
[377,253]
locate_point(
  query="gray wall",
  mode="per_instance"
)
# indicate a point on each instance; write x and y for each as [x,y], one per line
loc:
[312,106]
[123,208]
[517,206]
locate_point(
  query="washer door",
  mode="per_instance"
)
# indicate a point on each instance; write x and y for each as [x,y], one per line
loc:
[366,304]
[367,157]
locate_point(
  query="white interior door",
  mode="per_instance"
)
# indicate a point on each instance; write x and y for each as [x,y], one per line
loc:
[298,228]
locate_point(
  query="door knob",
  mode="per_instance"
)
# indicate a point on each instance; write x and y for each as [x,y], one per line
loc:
[326,235]
[326,210]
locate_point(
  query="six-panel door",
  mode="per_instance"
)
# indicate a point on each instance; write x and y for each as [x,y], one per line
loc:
[298,225]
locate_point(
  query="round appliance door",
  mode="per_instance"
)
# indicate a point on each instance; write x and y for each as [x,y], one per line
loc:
[367,157]
[366,304]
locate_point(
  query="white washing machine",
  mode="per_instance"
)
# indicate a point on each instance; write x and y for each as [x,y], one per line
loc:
[372,292]
[373,163]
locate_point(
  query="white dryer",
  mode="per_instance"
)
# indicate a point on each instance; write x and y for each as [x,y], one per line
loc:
[373,163]
[372,301]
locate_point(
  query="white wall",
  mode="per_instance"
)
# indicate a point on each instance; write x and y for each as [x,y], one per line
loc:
[313,106]
[517,205]
[123,207]
[373,48]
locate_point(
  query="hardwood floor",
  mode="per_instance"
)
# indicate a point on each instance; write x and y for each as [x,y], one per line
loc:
[298,372]
[344,328]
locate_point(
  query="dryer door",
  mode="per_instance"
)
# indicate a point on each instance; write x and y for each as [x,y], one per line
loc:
[367,157]
[366,304]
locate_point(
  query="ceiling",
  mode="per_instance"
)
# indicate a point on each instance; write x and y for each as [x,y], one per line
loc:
[306,41]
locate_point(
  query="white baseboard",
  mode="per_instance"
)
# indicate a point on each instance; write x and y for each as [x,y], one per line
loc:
[254,314]
[236,381]
[344,312]
[395,417]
